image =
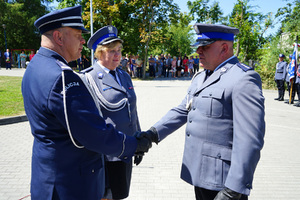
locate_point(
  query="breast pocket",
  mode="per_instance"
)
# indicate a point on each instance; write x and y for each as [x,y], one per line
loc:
[280,70]
[212,102]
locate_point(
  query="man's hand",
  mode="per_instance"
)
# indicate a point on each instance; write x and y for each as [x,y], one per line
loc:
[138,157]
[143,144]
[151,134]
[228,194]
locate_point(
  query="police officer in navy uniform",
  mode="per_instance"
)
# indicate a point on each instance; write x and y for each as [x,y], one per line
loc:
[297,83]
[224,112]
[289,83]
[117,99]
[280,76]
[70,134]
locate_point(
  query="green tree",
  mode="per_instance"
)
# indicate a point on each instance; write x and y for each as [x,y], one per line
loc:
[180,36]
[201,11]
[252,25]
[142,24]
[19,17]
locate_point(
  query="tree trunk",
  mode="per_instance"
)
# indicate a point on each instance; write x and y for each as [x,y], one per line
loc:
[148,40]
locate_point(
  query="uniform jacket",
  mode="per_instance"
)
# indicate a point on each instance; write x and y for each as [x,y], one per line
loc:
[286,73]
[280,70]
[297,74]
[117,102]
[58,167]
[225,128]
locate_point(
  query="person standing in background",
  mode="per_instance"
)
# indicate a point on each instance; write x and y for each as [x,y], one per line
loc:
[152,65]
[31,55]
[23,57]
[139,67]
[8,59]
[279,77]
[196,64]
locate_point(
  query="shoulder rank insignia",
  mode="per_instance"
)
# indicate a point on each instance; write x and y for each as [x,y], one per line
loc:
[86,70]
[63,65]
[244,67]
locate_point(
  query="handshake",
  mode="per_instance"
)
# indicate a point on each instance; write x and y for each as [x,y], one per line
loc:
[144,143]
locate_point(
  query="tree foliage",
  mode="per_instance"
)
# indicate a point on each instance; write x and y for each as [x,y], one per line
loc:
[19,17]
[202,11]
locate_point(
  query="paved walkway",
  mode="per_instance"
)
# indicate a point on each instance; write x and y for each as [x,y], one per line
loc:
[158,176]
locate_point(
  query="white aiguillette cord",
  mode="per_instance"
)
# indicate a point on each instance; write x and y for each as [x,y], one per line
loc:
[65,67]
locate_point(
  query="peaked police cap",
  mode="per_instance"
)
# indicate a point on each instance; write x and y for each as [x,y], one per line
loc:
[209,33]
[105,35]
[67,17]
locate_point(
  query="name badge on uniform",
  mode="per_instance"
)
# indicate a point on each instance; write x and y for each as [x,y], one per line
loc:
[104,89]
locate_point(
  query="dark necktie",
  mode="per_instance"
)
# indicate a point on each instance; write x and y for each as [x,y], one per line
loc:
[113,73]
[208,73]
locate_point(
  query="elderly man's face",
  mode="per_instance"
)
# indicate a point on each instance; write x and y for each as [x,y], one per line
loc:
[73,43]
[209,55]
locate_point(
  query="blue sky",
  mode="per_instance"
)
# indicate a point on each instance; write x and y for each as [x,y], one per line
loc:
[263,6]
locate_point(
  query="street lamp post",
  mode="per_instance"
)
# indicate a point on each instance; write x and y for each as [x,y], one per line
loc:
[4,26]
[92,28]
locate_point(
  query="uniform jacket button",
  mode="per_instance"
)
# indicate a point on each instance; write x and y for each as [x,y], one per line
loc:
[125,158]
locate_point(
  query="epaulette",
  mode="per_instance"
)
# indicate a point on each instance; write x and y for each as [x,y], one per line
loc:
[86,70]
[244,67]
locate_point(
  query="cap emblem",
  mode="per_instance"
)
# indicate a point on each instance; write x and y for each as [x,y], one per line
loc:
[110,29]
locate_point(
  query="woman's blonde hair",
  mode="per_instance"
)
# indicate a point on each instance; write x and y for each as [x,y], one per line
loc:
[101,48]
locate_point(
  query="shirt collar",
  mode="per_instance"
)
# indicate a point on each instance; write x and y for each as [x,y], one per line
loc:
[223,63]
[104,68]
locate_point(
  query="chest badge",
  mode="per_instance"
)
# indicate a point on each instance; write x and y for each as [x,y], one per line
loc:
[100,75]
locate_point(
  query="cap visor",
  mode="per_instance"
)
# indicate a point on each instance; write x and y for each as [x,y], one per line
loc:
[80,28]
[201,43]
[110,40]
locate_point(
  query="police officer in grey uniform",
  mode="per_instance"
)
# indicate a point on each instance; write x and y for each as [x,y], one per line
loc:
[280,76]
[117,100]
[224,115]
[70,134]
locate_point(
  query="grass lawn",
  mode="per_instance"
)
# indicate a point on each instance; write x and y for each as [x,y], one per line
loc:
[11,100]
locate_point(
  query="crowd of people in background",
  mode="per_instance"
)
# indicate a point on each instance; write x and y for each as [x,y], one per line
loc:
[21,58]
[16,59]
[163,65]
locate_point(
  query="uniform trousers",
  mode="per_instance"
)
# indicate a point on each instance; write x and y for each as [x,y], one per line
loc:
[118,179]
[280,87]
[204,194]
[294,88]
